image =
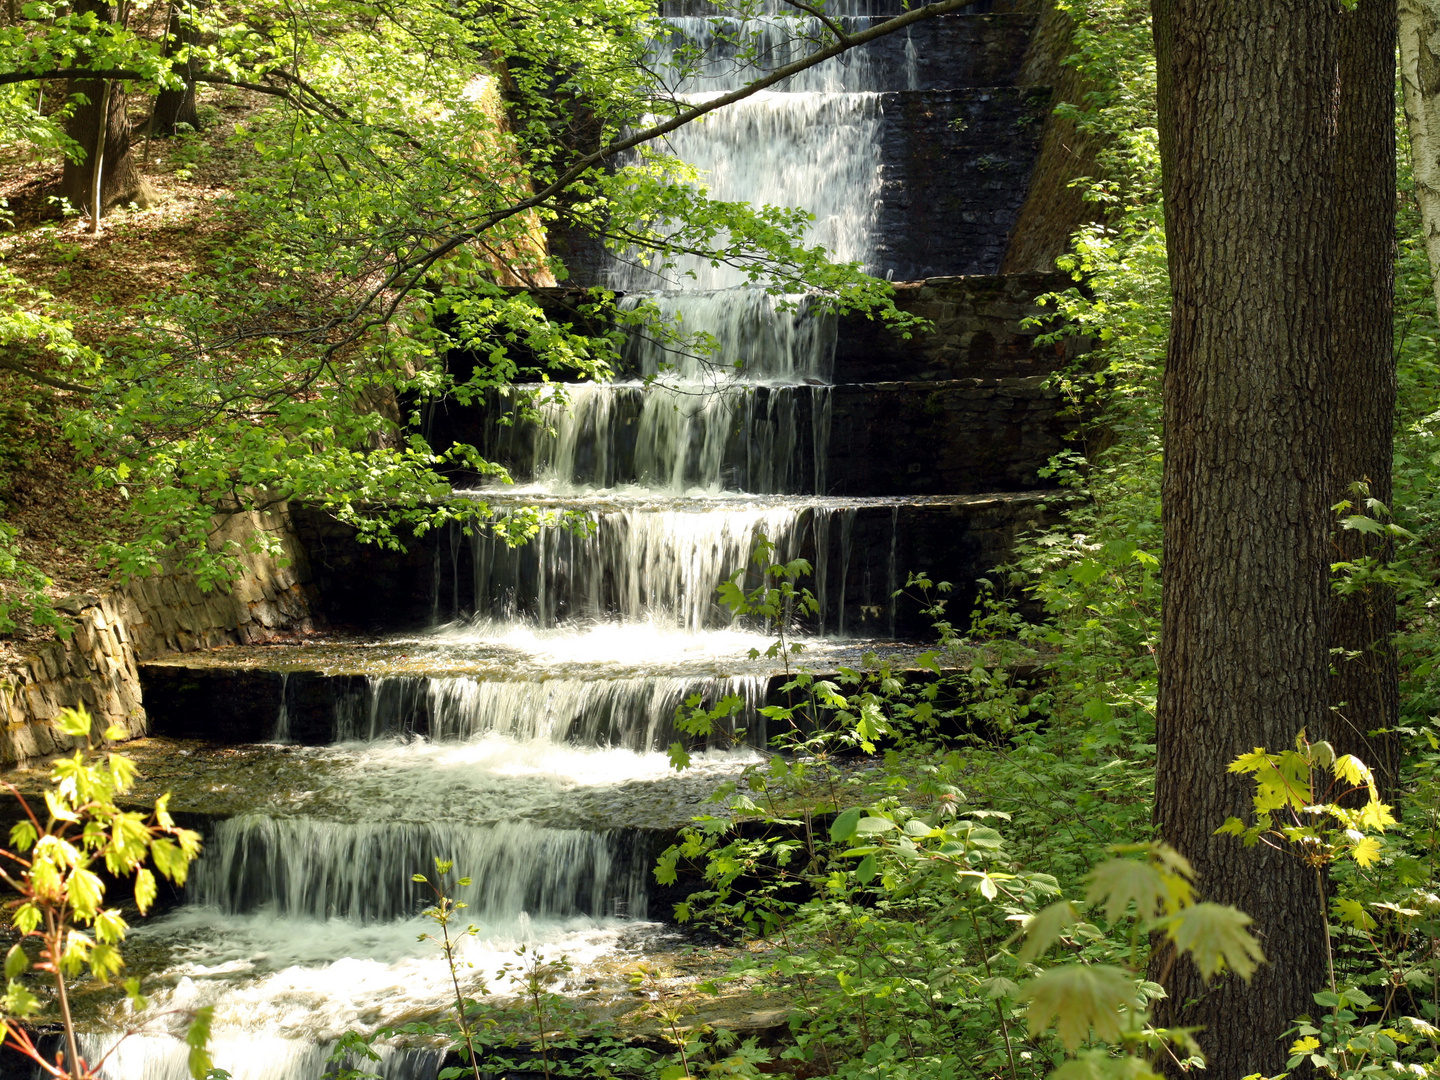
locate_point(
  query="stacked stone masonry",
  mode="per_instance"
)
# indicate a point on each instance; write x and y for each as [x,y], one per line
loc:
[165,613]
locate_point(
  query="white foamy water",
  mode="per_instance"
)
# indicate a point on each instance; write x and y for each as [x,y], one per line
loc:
[682,439]
[279,979]
[639,564]
[635,713]
[757,338]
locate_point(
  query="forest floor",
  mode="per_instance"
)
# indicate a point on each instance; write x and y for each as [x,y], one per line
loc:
[98,282]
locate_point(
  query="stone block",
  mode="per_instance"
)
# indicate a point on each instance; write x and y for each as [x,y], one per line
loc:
[267,615]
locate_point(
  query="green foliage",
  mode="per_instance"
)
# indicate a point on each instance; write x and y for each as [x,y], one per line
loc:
[53,866]
[395,193]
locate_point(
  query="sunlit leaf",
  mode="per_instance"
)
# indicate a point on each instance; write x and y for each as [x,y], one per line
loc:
[1044,928]
[1117,883]
[1081,999]
[1217,939]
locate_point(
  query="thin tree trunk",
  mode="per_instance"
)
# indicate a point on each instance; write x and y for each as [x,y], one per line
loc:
[1419,25]
[97,180]
[1247,114]
[1364,693]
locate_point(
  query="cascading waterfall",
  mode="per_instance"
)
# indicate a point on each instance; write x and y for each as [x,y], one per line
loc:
[678,471]
[251,1058]
[765,150]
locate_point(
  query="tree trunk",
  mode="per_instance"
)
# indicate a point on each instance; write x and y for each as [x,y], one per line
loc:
[1364,691]
[120,179]
[1420,80]
[176,106]
[1247,114]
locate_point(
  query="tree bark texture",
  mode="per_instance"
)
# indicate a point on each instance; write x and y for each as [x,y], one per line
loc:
[120,179]
[1364,694]
[176,106]
[1419,27]
[1247,119]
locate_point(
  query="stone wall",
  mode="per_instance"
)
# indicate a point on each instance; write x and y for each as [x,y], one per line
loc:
[163,613]
[861,555]
[984,327]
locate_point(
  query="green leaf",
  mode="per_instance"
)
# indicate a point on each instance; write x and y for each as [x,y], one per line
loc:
[1081,998]
[19,1001]
[23,835]
[1117,883]
[843,827]
[74,722]
[1354,913]
[145,889]
[866,870]
[872,825]
[998,987]
[1102,1065]
[86,892]
[197,1037]
[1044,928]
[16,962]
[1216,938]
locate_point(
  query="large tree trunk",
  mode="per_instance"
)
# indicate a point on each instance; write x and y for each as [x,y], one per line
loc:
[176,106]
[1420,80]
[1247,114]
[1365,688]
[120,179]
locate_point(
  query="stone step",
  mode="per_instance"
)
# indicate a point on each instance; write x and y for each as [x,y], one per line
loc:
[952,436]
[984,326]
[665,558]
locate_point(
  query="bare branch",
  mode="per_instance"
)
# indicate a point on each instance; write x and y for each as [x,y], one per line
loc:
[39,376]
[830,24]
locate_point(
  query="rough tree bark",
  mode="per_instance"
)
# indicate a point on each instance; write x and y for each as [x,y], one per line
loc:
[1247,114]
[120,178]
[1420,80]
[176,106]
[1364,692]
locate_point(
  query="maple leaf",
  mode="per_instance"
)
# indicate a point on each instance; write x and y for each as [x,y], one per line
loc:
[1217,939]
[1081,998]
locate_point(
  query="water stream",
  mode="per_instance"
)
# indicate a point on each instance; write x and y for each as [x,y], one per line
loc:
[301,921]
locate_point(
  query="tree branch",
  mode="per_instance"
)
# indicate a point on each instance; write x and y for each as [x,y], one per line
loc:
[40,377]
[830,24]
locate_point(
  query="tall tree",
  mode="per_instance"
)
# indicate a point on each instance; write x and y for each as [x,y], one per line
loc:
[1247,110]
[177,106]
[1420,81]
[1364,689]
[105,143]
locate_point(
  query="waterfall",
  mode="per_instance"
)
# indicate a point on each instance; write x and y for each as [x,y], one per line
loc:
[770,150]
[362,872]
[637,714]
[523,735]
[637,563]
[677,439]
[160,1057]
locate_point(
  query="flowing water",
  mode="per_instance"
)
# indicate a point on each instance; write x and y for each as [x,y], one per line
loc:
[541,769]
